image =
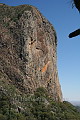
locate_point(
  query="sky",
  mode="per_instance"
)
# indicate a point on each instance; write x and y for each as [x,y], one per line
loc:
[65,20]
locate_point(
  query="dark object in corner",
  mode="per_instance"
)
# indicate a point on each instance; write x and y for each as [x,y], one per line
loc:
[75,33]
[77,4]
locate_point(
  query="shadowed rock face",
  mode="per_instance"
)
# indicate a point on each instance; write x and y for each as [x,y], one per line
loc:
[28,50]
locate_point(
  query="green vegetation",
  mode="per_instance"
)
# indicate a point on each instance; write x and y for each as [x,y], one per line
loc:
[78,108]
[12,14]
[17,106]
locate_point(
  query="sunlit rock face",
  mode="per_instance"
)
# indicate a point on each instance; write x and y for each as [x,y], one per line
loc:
[28,50]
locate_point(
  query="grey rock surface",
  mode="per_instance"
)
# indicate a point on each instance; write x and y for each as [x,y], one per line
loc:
[28,50]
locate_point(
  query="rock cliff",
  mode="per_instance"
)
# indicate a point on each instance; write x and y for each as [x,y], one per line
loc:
[28,50]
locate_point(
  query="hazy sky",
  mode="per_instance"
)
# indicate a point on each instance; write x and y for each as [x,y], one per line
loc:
[65,20]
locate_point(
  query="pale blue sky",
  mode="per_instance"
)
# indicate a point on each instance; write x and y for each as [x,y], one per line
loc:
[65,20]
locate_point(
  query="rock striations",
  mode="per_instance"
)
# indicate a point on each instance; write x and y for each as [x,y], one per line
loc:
[28,50]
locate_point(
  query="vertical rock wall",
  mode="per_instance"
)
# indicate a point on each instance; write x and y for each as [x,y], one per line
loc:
[32,46]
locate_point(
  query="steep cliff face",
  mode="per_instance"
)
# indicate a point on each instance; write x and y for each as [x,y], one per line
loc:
[28,50]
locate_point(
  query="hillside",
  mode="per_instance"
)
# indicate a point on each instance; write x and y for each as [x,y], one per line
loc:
[40,106]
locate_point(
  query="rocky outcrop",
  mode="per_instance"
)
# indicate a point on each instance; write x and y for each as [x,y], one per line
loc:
[28,50]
